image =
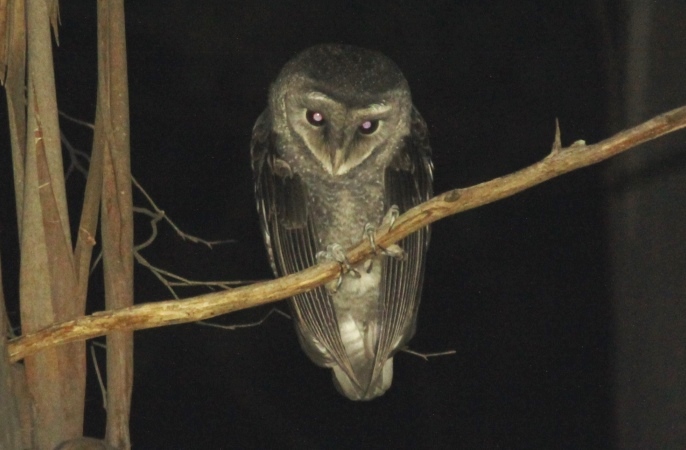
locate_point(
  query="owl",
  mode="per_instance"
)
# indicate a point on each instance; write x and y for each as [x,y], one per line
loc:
[338,147]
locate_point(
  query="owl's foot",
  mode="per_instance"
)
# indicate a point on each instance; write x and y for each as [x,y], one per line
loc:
[394,250]
[335,252]
[391,216]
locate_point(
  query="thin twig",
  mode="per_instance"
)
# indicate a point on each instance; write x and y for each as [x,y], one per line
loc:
[244,325]
[209,284]
[426,356]
[164,277]
[103,390]
[149,315]
[74,164]
[183,235]
[76,121]
[155,217]
[74,154]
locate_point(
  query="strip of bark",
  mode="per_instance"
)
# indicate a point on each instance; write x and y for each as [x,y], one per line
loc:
[56,376]
[112,124]
[15,87]
[10,424]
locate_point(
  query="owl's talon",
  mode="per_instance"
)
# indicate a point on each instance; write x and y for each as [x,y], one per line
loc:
[339,281]
[335,252]
[369,231]
[394,251]
[391,216]
[368,264]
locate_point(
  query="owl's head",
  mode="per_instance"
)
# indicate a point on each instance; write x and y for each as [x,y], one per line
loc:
[342,103]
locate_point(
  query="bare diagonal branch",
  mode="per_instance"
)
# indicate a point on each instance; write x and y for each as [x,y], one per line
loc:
[150,315]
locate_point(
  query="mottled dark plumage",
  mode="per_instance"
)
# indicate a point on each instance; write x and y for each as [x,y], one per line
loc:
[319,182]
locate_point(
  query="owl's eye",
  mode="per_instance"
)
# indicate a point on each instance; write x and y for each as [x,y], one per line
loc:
[315,118]
[368,126]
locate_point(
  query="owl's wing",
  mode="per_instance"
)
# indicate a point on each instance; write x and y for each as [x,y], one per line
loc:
[408,182]
[290,236]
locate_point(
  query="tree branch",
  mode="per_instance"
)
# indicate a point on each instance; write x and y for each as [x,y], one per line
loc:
[150,315]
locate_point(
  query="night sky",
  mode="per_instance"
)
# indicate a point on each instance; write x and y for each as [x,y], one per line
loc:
[518,288]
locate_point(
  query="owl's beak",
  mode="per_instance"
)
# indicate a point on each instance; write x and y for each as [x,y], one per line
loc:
[337,160]
[338,148]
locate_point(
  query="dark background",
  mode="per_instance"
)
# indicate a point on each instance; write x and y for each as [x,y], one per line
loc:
[518,288]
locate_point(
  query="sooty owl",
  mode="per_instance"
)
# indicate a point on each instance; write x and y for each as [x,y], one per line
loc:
[338,147]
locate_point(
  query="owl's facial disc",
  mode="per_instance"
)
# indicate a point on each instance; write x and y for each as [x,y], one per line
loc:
[340,136]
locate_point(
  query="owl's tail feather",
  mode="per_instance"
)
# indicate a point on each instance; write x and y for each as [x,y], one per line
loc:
[354,391]
[363,382]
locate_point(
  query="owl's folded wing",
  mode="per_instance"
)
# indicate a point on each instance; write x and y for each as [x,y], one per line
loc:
[290,237]
[408,183]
